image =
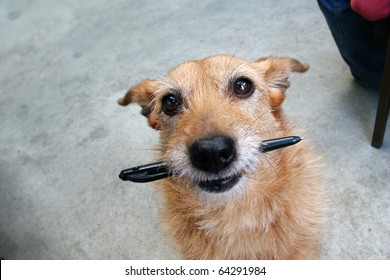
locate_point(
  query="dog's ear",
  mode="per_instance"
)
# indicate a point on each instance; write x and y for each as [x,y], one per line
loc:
[276,71]
[143,95]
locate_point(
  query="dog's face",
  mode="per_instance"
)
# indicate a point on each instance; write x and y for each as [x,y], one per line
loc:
[214,113]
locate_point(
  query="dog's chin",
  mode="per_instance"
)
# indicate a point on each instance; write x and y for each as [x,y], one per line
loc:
[220,185]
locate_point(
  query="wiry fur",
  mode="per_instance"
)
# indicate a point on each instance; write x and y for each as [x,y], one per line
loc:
[275,211]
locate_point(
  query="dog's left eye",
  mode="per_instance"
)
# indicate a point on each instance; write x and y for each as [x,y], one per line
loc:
[243,87]
[171,104]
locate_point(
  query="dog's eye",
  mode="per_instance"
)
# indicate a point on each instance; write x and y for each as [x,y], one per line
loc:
[171,104]
[243,87]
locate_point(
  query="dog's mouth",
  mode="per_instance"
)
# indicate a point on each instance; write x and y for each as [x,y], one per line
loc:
[220,185]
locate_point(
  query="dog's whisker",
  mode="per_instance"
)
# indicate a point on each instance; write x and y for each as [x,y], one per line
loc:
[271,162]
[231,59]
[281,167]
[183,132]
[257,119]
[151,150]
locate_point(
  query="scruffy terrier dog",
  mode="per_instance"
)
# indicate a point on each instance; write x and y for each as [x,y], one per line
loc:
[226,199]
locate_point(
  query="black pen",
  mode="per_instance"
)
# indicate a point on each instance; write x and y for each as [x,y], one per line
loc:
[159,170]
[277,143]
[146,173]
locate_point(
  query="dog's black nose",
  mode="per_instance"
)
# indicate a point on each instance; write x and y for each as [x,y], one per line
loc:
[212,154]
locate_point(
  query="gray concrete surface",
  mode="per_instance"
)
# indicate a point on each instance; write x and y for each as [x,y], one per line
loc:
[63,139]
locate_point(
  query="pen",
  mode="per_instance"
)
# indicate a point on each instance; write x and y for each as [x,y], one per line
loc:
[146,173]
[277,143]
[159,170]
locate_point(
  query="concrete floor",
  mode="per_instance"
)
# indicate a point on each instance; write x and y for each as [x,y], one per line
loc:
[64,139]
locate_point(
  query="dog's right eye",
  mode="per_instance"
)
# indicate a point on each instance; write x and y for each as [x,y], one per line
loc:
[171,104]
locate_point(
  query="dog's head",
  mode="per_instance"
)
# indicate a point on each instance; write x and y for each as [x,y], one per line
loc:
[213,114]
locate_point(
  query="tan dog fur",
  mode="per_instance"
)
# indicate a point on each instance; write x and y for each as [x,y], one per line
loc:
[276,210]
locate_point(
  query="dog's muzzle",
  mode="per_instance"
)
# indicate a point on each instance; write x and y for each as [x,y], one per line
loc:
[214,155]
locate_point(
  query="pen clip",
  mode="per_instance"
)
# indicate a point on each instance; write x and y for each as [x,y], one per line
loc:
[145,173]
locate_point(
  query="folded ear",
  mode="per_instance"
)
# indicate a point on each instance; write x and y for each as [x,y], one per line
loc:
[276,71]
[143,95]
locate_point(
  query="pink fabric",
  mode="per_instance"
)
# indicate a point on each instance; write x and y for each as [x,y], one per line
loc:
[372,10]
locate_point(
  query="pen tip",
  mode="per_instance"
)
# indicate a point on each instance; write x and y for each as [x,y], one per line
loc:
[302,137]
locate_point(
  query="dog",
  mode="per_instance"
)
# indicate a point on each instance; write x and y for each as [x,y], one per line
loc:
[226,199]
